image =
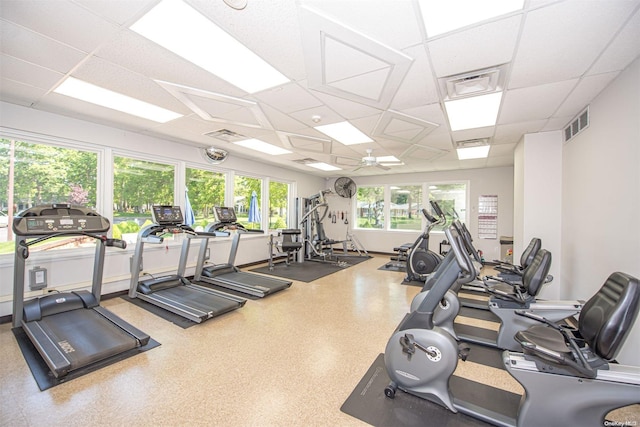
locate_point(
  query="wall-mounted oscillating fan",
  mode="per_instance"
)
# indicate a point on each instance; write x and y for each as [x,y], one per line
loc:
[345,187]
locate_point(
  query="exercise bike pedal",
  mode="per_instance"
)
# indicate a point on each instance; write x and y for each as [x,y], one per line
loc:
[463,351]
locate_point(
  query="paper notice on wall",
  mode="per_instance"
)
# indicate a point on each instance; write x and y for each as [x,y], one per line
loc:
[488,217]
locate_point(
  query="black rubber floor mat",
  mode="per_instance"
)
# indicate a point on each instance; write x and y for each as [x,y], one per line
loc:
[41,372]
[368,403]
[309,271]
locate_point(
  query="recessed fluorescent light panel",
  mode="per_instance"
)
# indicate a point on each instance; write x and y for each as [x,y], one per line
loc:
[440,17]
[468,153]
[116,101]
[263,147]
[324,166]
[181,29]
[345,133]
[473,112]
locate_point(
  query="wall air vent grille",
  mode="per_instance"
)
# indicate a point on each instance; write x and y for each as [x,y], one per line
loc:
[577,125]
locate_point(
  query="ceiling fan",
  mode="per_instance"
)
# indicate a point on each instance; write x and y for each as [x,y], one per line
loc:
[369,160]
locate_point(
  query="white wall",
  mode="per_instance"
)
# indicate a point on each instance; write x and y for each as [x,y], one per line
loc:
[65,270]
[491,181]
[601,196]
[538,189]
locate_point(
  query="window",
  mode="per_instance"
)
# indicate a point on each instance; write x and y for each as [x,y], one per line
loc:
[452,198]
[405,207]
[206,190]
[370,207]
[33,174]
[137,186]
[247,192]
[278,205]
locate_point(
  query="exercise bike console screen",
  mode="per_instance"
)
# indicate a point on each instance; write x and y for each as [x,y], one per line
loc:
[226,214]
[167,215]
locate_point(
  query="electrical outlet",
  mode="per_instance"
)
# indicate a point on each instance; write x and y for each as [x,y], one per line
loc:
[37,278]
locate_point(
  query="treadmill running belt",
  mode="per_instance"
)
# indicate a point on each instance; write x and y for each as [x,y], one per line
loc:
[257,281]
[199,300]
[84,336]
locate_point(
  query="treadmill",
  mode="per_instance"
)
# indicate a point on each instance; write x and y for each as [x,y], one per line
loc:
[70,330]
[227,275]
[174,292]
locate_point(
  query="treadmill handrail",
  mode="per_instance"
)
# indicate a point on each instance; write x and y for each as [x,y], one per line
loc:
[24,244]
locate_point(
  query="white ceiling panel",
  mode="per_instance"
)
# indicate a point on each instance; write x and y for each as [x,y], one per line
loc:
[289,98]
[134,52]
[35,48]
[365,62]
[66,22]
[379,19]
[512,133]
[19,70]
[269,28]
[346,108]
[418,87]
[534,103]
[624,49]
[120,12]
[584,92]
[115,78]
[481,47]
[548,52]
[19,93]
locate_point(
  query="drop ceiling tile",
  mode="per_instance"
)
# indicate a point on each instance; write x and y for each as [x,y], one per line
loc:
[288,98]
[622,51]
[561,41]
[557,123]
[348,109]
[430,112]
[533,103]
[218,107]
[401,127]
[479,47]
[500,161]
[32,74]
[110,76]
[332,48]
[121,11]
[586,90]
[270,29]
[327,115]
[19,93]
[35,48]
[418,87]
[63,21]
[380,19]
[511,133]
[140,55]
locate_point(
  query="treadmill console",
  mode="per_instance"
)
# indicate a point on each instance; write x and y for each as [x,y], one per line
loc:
[167,215]
[226,215]
[44,220]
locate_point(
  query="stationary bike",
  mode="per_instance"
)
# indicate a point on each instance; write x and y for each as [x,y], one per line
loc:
[566,374]
[421,260]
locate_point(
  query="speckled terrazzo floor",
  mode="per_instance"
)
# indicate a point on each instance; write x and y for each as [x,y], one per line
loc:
[290,359]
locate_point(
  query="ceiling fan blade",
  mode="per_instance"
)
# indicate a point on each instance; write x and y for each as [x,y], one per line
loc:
[383,167]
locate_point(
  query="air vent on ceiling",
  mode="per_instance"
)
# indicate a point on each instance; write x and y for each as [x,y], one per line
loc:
[226,135]
[305,161]
[472,143]
[577,125]
[478,82]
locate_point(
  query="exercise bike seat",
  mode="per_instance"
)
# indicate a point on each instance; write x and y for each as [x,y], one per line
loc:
[604,324]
